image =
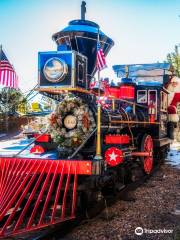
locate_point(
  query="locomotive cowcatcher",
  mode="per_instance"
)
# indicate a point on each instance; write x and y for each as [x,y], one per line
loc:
[94,142]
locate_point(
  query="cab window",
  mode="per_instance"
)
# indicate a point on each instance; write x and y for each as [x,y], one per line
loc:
[152,99]
[142,96]
[164,101]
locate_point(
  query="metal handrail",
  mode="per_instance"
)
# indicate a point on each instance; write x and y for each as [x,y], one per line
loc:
[82,144]
[22,150]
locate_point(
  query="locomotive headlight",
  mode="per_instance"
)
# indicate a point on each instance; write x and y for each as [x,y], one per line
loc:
[70,122]
[55,70]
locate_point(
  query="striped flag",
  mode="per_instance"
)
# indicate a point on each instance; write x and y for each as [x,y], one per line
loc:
[100,61]
[8,77]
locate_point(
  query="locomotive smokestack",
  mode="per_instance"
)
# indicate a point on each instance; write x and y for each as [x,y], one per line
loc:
[81,36]
[83,10]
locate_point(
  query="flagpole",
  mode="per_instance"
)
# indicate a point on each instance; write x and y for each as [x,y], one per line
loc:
[7,120]
[7,97]
[98,140]
[6,94]
[0,54]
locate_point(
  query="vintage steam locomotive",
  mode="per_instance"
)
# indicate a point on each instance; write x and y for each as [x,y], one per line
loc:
[86,152]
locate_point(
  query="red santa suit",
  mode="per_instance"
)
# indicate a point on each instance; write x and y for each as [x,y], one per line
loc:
[173,99]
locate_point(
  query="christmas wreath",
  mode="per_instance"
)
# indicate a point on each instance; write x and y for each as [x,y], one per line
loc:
[71,122]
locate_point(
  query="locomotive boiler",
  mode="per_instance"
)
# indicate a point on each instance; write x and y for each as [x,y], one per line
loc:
[85,153]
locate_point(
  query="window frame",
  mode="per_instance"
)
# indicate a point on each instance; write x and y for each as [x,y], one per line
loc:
[149,91]
[164,104]
[146,100]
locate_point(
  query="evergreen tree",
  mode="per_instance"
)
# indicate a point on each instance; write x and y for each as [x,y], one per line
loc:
[10,99]
[174,59]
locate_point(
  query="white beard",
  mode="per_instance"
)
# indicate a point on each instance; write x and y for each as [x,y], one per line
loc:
[173,90]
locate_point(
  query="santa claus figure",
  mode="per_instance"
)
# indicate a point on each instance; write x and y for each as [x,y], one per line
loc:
[173,99]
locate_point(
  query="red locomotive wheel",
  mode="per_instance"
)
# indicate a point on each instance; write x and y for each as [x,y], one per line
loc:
[147,146]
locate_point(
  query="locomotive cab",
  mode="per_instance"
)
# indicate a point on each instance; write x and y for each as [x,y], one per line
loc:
[151,95]
[155,102]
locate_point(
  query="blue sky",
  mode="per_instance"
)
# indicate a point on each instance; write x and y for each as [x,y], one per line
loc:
[144,31]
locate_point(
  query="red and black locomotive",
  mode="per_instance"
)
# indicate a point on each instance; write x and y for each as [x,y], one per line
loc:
[95,139]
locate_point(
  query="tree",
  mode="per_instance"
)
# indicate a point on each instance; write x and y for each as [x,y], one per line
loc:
[10,99]
[174,59]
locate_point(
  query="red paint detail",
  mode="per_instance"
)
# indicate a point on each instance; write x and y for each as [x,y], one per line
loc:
[37,149]
[38,190]
[74,194]
[65,193]
[152,112]
[122,92]
[112,92]
[114,156]
[42,138]
[117,139]
[152,118]
[127,92]
[148,161]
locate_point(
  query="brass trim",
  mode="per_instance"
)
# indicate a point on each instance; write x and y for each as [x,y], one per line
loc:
[131,122]
[62,89]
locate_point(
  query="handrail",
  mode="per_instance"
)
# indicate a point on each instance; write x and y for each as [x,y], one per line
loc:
[82,144]
[22,150]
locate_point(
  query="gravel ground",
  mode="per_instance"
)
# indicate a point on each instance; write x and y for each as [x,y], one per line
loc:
[156,206]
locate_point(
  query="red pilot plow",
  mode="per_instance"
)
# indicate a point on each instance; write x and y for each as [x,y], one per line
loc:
[37,193]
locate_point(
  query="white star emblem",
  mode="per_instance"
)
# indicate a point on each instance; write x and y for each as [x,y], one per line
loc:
[113,156]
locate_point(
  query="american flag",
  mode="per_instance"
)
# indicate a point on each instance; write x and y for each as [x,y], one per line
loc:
[8,77]
[100,61]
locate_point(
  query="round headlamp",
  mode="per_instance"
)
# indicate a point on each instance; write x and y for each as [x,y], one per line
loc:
[70,122]
[55,70]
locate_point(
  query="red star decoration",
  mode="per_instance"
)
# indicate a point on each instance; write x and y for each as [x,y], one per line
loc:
[114,156]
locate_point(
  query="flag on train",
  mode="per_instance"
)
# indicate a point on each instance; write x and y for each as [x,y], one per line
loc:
[100,60]
[95,84]
[8,76]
